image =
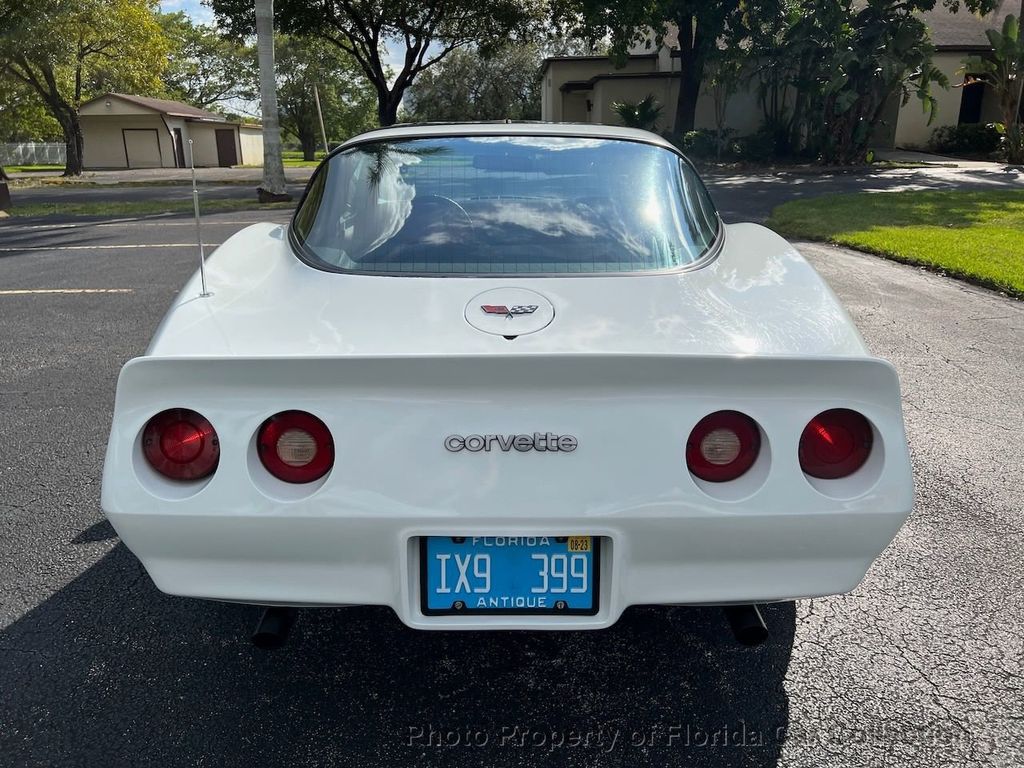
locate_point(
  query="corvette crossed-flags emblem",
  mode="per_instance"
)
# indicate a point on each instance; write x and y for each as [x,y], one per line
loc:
[501,309]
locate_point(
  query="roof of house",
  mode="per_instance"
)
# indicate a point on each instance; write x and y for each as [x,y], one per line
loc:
[963,30]
[164,106]
[547,61]
[587,85]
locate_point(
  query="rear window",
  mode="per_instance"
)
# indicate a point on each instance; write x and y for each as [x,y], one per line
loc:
[507,205]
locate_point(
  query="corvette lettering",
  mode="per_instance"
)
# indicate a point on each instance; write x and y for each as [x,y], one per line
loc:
[510,312]
[538,441]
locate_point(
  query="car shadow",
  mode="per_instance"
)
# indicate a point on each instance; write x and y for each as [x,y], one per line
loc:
[110,671]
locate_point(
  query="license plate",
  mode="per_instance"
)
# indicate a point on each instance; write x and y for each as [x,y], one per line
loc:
[509,574]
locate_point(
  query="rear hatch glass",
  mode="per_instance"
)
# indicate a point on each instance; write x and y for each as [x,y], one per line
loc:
[509,205]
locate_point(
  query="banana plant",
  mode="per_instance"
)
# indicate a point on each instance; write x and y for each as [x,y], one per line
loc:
[1003,71]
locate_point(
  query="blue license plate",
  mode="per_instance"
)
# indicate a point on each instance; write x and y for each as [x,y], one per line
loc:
[509,574]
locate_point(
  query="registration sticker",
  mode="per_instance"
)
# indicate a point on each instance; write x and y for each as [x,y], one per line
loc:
[579,543]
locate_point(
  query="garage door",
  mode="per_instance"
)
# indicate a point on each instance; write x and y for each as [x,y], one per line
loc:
[142,147]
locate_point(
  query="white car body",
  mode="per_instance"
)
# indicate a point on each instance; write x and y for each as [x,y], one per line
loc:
[628,365]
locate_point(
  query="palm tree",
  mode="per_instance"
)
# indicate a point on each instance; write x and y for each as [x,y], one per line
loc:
[643,114]
[273,187]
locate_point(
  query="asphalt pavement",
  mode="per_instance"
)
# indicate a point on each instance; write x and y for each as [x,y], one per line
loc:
[922,665]
[740,196]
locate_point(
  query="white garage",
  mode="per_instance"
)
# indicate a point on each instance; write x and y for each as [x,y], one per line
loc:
[124,131]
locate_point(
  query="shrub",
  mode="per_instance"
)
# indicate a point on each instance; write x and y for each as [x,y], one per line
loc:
[643,114]
[702,143]
[966,139]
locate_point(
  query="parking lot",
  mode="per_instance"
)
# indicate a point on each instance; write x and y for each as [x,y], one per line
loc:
[923,665]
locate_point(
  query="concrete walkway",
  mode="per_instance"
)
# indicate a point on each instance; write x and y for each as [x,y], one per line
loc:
[929,159]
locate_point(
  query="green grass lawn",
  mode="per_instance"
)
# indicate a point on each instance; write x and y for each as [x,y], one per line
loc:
[139,207]
[294,159]
[21,168]
[977,236]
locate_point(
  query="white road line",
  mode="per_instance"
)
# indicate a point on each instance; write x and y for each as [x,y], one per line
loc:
[137,223]
[33,291]
[17,249]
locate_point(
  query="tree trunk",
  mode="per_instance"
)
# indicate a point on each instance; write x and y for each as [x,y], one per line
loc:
[3,174]
[73,142]
[691,63]
[307,138]
[273,186]
[387,106]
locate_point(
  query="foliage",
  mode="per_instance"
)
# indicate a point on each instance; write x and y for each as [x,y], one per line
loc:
[643,114]
[23,116]
[846,61]
[347,101]
[974,235]
[69,50]
[966,139]
[1003,71]
[726,69]
[205,69]
[422,34]
[698,25]
[468,85]
[885,52]
[701,143]
[766,143]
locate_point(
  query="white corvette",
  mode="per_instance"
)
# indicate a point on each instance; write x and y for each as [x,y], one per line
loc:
[507,376]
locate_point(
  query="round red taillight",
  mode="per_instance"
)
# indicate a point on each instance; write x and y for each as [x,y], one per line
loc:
[723,446]
[295,446]
[181,444]
[835,444]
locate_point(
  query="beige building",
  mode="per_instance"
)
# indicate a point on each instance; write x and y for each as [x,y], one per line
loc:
[122,131]
[583,89]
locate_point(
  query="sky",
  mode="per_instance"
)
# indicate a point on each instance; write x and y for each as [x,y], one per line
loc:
[196,11]
[201,14]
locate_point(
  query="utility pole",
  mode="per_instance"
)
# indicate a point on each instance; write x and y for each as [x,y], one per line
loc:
[320,114]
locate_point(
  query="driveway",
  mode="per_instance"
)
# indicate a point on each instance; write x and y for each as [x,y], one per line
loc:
[751,197]
[919,666]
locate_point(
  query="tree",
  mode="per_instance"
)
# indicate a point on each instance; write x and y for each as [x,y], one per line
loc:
[726,68]
[859,57]
[23,117]
[67,50]
[1003,71]
[699,25]
[273,187]
[347,101]
[204,68]
[468,85]
[423,34]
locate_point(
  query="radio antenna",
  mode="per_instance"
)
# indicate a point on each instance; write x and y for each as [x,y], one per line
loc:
[199,230]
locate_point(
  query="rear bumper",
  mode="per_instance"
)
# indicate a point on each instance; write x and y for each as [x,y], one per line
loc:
[350,538]
[675,557]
